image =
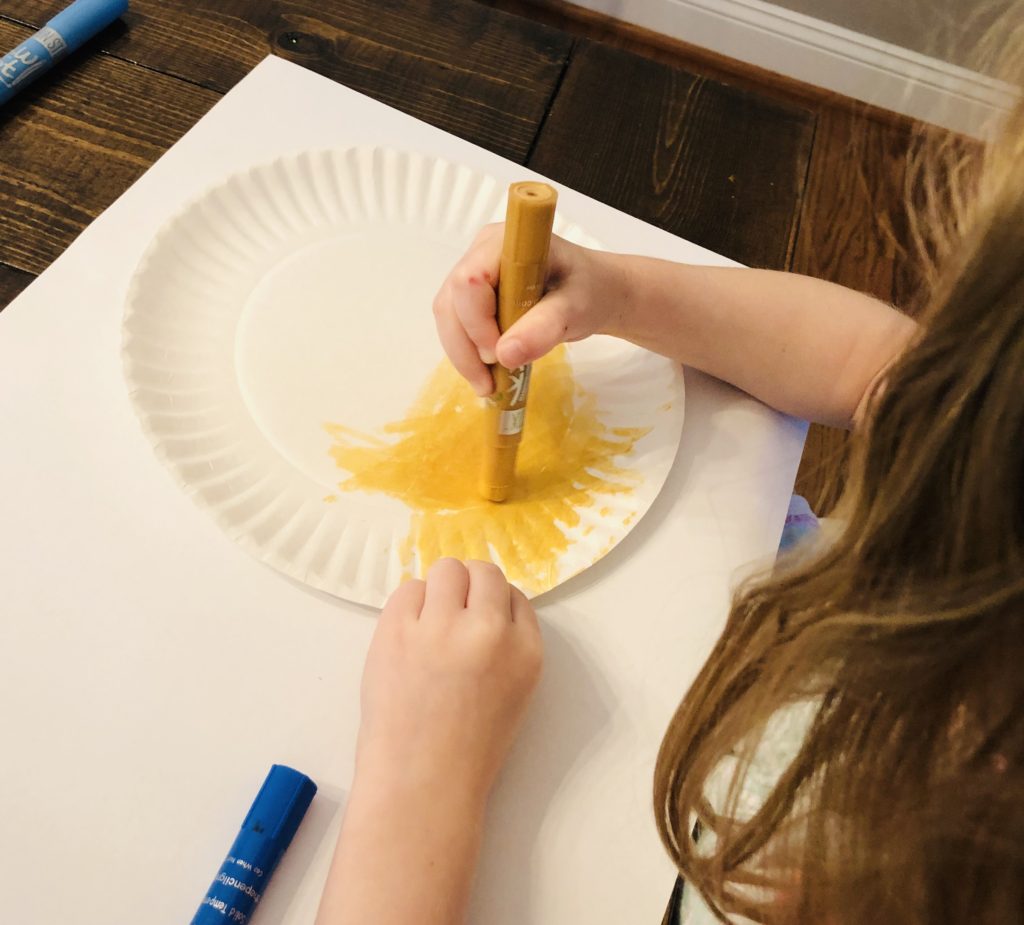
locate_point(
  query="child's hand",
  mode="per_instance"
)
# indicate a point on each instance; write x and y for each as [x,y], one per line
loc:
[585,288]
[450,671]
[449,674]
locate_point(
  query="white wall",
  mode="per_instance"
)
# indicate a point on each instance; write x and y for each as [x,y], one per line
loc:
[950,30]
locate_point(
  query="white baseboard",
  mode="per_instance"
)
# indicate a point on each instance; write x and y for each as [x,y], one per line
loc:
[826,55]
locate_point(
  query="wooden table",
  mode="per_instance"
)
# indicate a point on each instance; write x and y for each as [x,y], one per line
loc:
[722,167]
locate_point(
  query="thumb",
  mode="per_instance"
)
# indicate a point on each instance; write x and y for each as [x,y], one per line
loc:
[539,331]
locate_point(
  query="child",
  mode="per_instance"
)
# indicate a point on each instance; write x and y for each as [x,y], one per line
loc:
[897,651]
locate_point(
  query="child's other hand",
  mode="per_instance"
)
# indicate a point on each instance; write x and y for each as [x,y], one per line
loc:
[585,288]
[450,671]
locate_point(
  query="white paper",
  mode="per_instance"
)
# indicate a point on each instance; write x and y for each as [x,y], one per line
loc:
[151,671]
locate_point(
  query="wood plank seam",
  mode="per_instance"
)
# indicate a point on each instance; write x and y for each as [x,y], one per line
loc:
[550,105]
[798,223]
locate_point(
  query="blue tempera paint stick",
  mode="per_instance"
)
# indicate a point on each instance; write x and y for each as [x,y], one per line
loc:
[65,33]
[269,826]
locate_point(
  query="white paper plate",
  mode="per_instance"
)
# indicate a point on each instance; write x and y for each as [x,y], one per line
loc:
[297,295]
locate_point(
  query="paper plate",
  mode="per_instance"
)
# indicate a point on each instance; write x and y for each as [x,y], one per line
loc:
[280,353]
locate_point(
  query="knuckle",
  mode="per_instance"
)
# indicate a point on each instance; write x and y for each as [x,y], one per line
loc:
[446,567]
[404,592]
[409,586]
[490,635]
[483,568]
[492,622]
[461,275]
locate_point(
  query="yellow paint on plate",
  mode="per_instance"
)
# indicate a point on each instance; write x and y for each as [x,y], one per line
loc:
[431,460]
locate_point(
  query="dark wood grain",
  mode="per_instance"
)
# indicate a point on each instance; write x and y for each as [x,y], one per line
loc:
[852,222]
[75,140]
[12,282]
[481,74]
[719,166]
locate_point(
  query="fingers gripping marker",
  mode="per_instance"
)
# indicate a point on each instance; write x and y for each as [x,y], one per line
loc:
[524,258]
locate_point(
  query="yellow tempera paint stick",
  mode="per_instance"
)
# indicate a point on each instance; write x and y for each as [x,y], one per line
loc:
[524,260]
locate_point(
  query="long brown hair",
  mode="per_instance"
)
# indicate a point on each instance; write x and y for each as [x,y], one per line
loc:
[904,639]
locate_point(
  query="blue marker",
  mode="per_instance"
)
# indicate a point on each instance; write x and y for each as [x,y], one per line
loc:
[267,831]
[63,34]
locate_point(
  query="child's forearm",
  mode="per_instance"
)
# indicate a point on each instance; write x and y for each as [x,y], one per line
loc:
[448,675]
[801,345]
[405,854]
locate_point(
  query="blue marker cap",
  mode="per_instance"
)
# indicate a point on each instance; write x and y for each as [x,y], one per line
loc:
[280,805]
[84,18]
[267,830]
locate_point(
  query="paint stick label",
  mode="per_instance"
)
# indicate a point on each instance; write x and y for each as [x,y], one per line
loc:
[30,58]
[520,385]
[52,41]
[19,65]
[511,422]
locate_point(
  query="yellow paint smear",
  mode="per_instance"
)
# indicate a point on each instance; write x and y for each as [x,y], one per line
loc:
[431,460]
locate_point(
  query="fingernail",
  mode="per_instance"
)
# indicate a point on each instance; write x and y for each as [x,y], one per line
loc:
[483,386]
[487,355]
[513,354]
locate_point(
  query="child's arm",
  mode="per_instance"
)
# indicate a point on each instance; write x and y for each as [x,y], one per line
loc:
[449,673]
[804,346]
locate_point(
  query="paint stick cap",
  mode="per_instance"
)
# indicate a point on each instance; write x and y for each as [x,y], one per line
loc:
[280,805]
[528,220]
